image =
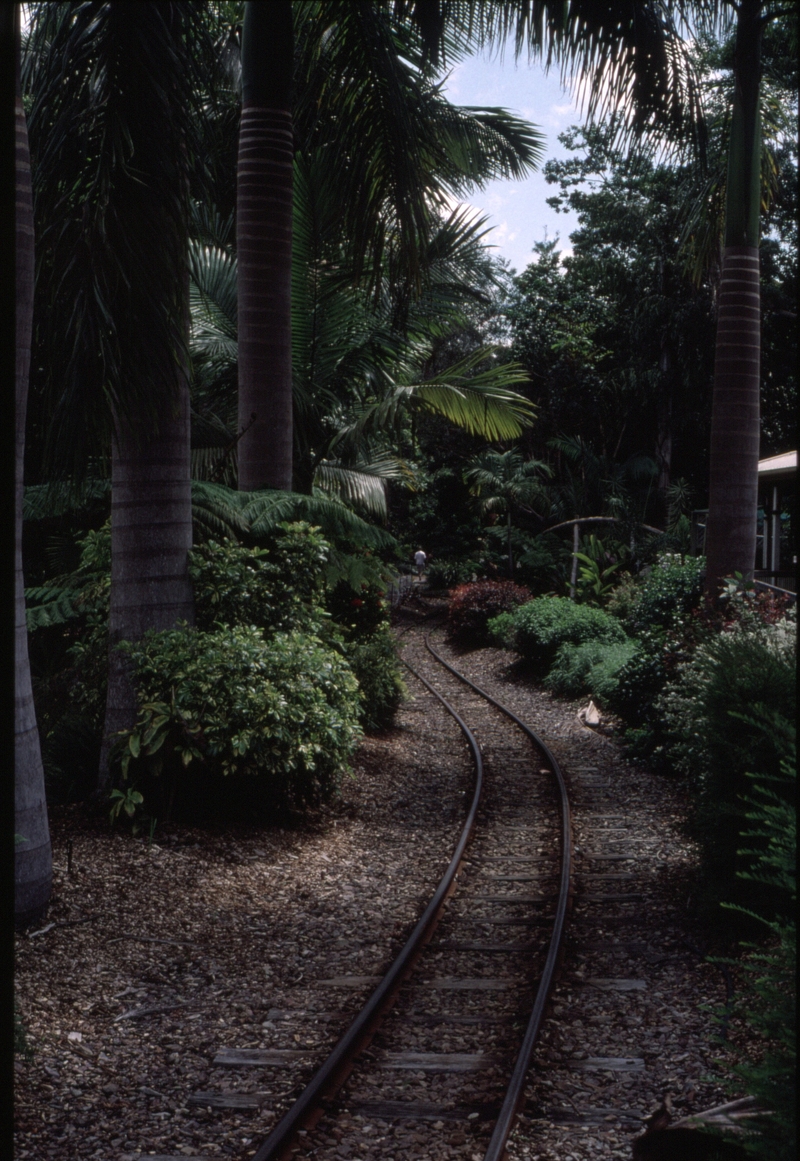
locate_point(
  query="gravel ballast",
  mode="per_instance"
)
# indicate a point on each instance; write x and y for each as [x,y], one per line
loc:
[156,957]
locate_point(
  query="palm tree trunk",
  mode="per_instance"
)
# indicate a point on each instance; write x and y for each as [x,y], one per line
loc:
[735,417]
[264,247]
[33,861]
[151,534]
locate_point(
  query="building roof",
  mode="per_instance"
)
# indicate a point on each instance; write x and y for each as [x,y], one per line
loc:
[782,465]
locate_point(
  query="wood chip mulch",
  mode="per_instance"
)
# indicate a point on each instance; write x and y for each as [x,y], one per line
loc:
[155,956]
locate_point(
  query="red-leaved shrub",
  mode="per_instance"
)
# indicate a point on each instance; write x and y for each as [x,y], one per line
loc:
[472,605]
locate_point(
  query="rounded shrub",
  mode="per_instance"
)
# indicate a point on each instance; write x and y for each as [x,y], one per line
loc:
[374,662]
[640,680]
[275,589]
[672,588]
[472,606]
[592,667]
[361,612]
[542,626]
[713,713]
[282,712]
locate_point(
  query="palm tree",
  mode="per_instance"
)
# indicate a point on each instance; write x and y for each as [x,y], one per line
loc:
[391,146]
[735,416]
[33,859]
[503,481]
[264,246]
[355,373]
[635,64]
[113,87]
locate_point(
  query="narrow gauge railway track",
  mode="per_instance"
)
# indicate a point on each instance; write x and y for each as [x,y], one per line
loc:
[479,989]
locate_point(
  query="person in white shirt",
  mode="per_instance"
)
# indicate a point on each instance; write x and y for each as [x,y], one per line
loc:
[419,561]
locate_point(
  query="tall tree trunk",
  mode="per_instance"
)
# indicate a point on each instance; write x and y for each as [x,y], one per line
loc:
[33,862]
[664,420]
[735,417]
[264,246]
[151,534]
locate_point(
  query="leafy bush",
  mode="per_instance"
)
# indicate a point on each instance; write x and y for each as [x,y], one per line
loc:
[446,574]
[275,589]
[373,660]
[69,670]
[473,605]
[282,711]
[769,994]
[711,738]
[542,626]
[361,612]
[540,562]
[673,587]
[640,680]
[592,667]
[597,564]
[500,630]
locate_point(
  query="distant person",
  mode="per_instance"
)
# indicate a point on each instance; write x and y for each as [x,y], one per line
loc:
[419,561]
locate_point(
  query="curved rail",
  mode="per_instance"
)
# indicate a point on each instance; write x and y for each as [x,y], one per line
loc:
[332,1074]
[513,1097]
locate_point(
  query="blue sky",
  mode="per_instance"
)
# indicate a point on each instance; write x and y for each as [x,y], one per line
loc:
[517,210]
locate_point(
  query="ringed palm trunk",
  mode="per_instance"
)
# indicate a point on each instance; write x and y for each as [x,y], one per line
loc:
[735,417]
[33,862]
[264,247]
[151,534]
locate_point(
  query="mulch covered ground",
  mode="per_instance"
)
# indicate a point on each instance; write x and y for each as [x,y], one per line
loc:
[155,955]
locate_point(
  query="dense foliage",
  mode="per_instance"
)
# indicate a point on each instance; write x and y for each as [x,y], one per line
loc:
[540,628]
[281,711]
[473,605]
[712,738]
[769,1000]
[280,588]
[591,667]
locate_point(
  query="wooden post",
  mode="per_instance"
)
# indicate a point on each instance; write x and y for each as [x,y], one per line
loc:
[576,533]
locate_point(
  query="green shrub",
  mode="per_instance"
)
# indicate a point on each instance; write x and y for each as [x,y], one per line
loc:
[540,562]
[374,661]
[592,667]
[768,977]
[446,574]
[281,711]
[672,588]
[472,606]
[543,625]
[640,680]
[711,738]
[500,630]
[360,612]
[275,589]
[69,670]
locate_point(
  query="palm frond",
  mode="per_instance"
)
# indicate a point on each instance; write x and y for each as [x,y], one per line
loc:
[46,606]
[482,402]
[60,496]
[265,511]
[218,511]
[114,106]
[362,485]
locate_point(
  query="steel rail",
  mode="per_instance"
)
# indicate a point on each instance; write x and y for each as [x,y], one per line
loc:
[514,1093]
[335,1070]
